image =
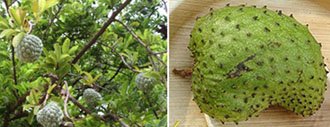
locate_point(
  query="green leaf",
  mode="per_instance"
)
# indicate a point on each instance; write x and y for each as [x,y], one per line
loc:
[50,3]
[73,49]
[3,24]
[35,8]
[58,51]
[50,89]
[7,33]
[77,68]
[66,45]
[18,15]
[17,39]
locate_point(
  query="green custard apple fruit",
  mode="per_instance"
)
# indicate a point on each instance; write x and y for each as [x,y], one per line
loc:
[92,97]
[248,58]
[50,116]
[29,49]
[144,83]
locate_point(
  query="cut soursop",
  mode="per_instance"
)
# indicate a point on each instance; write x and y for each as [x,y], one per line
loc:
[29,49]
[248,58]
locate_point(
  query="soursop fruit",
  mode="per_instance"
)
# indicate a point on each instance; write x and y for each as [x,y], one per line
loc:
[258,58]
[92,97]
[50,116]
[29,49]
[144,83]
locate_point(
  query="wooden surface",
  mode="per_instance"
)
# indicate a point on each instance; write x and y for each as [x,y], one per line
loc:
[182,17]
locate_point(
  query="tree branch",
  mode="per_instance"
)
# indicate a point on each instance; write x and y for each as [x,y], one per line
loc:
[137,38]
[101,31]
[52,20]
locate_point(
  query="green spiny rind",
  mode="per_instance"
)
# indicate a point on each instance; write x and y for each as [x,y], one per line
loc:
[248,58]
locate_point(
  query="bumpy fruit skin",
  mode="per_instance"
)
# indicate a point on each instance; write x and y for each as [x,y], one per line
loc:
[92,97]
[50,116]
[247,58]
[29,49]
[144,83]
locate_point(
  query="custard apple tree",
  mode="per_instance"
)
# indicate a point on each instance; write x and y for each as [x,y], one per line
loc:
[67,63]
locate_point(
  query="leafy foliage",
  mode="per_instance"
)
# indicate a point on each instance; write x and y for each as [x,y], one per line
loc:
[135,42]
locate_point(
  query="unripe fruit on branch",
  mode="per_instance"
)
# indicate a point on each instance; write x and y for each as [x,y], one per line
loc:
[144,83]
[92,97]
[29,49]
[50,116]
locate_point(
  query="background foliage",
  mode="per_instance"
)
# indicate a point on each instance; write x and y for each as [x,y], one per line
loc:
[135,42]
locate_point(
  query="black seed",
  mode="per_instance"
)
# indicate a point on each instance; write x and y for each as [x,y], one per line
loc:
[280,12]
[294,24]
[308,41]
[213,30]
[263,99]
[307,25]
[211,9]
[286,58]
[287,71]
[228,4]
[264,6]
[266,29]
[199,29]
[234,96]
[254,6]
[246,48]
[236,122]
[303,95]
[202,41]
[291,15]
[248,34]
[197,18]
[242,5]
[238,27]
[281,82]
[255,17]
[190,36]
[226,116]
[257,105]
